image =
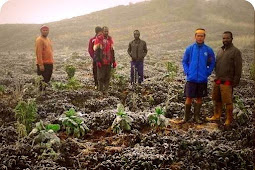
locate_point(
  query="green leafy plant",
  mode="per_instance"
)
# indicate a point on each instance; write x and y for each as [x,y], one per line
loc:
[252,71]
[70,70]
[122,122]
[172,70]
[40,83]
[242,116]
[59,86]
[26,113]
[73,123]
[46,140]
[118,79]
[2,89]
[157,119]
[21,130]
[72,84]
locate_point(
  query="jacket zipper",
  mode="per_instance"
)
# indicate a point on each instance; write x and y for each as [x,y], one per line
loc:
[198,61]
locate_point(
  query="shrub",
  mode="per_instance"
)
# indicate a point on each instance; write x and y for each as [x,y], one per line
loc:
[122,122]
[172,70]
[26,113]
[70,70]
[73,84]
[2,89]
[73,123]
[118,79]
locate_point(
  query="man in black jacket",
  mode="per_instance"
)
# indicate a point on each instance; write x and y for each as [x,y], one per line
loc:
[137,50]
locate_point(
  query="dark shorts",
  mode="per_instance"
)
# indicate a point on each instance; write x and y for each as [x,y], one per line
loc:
[195,90]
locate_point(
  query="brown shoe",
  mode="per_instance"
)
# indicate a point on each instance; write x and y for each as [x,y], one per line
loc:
[217,112]
[229,111]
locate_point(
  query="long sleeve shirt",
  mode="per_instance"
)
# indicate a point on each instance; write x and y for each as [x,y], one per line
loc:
[90,47]
[198,62]
[229,64]
[44,51]
[137,50]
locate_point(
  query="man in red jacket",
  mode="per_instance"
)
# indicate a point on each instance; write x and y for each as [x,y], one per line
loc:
[104,56]
[98,31]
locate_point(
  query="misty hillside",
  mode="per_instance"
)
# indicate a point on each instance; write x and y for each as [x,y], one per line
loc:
[170,23]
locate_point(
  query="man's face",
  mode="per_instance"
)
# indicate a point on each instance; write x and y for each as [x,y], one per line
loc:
[45,32]
[200,38]
[226,39]
[105,32]
[136,35]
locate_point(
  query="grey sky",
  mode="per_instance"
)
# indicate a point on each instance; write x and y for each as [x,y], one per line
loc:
[41,11]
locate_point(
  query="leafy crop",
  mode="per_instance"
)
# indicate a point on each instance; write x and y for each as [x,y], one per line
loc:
[157,119]
[70,70]
[122,122]
[21,129]
[2,89]
[242,116]
[73,123]
[252,71]
[118,79]
[26,113]
[172,70]
[72,84]
[46,140]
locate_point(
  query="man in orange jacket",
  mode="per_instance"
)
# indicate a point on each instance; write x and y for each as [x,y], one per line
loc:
[44,55]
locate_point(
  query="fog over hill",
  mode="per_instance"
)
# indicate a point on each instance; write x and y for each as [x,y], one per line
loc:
[170,23]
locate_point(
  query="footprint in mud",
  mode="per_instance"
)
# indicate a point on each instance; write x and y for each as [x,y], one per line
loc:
[176,124]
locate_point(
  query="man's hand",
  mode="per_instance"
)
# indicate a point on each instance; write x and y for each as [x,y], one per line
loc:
[99,65]
[114,64]
[41,67]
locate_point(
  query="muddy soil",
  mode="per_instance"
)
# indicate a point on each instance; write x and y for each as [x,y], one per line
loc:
[177,146]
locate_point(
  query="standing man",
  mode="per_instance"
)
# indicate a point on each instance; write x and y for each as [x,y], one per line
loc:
[98,31]
[137,50]
[198,64]
[44,55]
[105,59]
[228,73]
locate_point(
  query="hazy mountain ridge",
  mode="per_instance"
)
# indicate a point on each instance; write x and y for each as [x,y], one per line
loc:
[160,21]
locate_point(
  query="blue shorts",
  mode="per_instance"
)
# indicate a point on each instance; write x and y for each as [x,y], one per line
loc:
[195,90]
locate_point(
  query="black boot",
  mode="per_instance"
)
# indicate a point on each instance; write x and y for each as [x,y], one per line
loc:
[197,108]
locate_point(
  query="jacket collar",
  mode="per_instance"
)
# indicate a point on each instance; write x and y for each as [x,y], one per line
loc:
[225,48]
[199,45]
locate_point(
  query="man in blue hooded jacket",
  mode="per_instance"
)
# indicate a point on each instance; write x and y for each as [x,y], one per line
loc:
[198,64]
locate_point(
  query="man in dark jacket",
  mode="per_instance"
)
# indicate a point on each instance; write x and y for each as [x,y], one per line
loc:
[137,50]
[228,73]
[198,64]
[98,31]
